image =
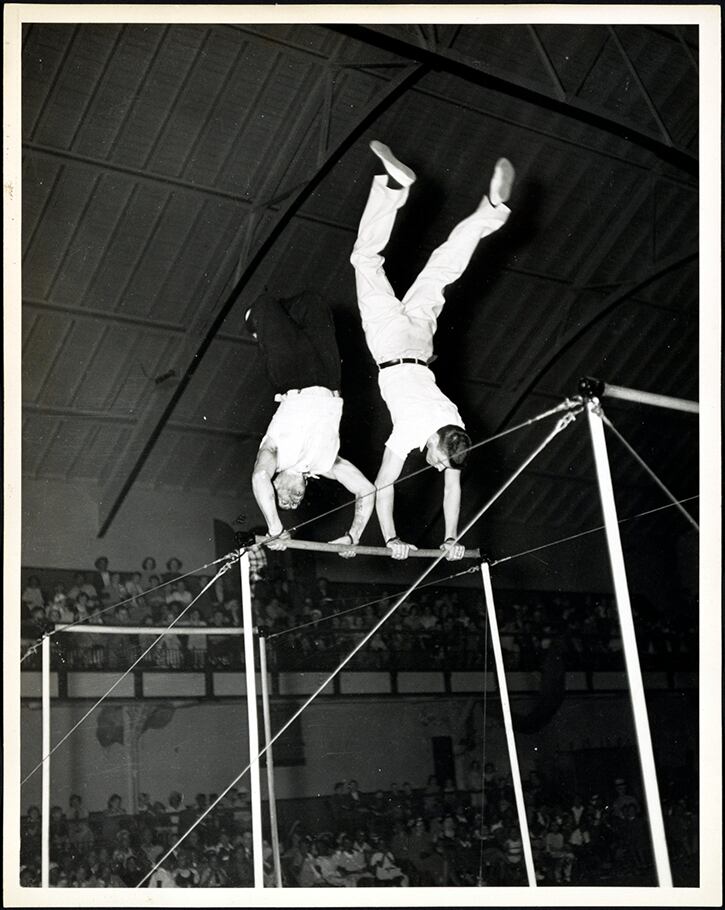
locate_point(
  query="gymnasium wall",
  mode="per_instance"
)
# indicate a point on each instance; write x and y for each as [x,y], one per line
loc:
[61,522]
[375,740]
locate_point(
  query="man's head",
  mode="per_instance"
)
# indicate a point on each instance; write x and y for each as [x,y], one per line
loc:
[447,448]
[290,488]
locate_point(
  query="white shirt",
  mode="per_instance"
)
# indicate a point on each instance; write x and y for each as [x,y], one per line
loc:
[162,878]
[417,406]
[305,431]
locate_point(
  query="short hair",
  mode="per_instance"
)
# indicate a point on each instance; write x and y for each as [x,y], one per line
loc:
[290,490]
[455,443]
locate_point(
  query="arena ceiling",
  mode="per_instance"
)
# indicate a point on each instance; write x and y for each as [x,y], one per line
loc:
[170,173]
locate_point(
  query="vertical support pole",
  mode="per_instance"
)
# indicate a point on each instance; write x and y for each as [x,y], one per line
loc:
[629,643]
[45,774]
[508,726]
[251,686]
[270,761]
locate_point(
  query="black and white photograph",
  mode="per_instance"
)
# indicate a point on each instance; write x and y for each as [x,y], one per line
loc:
[362,455]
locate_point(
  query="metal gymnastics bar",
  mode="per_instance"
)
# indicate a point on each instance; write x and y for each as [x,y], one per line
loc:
[152,630]
[359,549]
[597,388]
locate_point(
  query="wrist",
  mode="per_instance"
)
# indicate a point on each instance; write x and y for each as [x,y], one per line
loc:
[392,540]
[353,542]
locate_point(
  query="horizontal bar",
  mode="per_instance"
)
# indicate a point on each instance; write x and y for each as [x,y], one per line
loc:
[360,550]
[150,630]
[659,401]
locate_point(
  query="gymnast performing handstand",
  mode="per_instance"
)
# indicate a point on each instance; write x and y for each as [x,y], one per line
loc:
[400,334]
[297,341]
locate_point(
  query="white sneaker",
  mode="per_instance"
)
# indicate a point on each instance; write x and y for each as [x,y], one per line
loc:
[399,171]
[501,182]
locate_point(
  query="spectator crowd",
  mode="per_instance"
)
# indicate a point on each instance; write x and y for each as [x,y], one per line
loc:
[315,625]
[434,835]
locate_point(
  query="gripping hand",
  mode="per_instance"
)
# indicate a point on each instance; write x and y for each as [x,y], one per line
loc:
[349,542]
[280,541]
[398,548]
[452,549]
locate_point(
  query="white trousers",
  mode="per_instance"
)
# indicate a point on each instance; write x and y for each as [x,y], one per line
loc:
[395,328]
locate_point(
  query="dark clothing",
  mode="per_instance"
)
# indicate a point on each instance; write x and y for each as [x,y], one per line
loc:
[297,341]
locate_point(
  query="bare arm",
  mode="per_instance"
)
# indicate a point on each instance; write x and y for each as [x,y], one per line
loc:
[264,470]
[451,511]
[389,472]
[344,472]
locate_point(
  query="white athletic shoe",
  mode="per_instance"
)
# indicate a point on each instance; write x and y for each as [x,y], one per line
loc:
[399,171]
[501,182]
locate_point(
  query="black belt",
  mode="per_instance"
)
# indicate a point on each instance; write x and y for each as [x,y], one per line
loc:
[394,363]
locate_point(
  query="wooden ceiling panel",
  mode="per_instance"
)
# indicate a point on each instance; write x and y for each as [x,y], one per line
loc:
[200,396]
[509,48]
[169,67]
[152,291]
[125,243]
[27,327]
[68,440]
[65,372]
[199,264]
[675,214]
[188,119]
[56,227]
[115,93]
[242,152]
[611,84]
[39,177]
[217,142]
[104,366]
[144,371]
[37,431]
[152,471]
[308,40]
[102,453]
[669,76]
[44,57]
[572,50]
[43,347]
[84,67]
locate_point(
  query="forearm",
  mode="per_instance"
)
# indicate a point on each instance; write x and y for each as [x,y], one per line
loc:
[264,495]
[364,504]
[384,502]
[451,510]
